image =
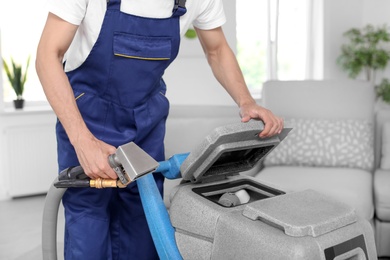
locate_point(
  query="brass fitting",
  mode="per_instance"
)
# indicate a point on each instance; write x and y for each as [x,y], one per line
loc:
[105,183]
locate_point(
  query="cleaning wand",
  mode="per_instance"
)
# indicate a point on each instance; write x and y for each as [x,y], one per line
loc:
[130,163]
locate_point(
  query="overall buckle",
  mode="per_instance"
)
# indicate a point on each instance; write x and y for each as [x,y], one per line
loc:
[180,3]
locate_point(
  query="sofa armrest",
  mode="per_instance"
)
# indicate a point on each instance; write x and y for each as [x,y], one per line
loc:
[382,117]
[382,194]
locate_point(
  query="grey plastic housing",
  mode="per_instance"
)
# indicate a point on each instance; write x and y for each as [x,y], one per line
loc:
[272,224]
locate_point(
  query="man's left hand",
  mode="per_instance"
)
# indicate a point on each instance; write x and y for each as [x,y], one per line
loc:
[273,125]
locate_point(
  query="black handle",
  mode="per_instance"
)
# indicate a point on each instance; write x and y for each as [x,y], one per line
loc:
[72,177]
[72,173]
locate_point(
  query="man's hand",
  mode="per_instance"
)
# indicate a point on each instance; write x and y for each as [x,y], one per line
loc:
[225,67]
[93,157]
[91,152]
[272,124]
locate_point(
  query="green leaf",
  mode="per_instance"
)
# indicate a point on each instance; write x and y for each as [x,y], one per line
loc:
[364,51]
[383,90]
[190,34]
[17,77]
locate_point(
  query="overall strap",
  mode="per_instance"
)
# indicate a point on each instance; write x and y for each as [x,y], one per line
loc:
[114,4]
[179,8]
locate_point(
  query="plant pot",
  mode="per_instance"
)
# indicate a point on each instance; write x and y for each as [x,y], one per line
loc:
[18,103]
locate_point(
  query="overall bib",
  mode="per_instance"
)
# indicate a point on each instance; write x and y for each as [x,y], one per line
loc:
[121,96]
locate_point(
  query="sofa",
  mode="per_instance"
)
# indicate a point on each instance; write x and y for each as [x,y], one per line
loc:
[338,116]
[334,147]
[382,182]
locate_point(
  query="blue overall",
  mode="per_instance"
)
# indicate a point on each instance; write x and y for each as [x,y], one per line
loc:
[121,96]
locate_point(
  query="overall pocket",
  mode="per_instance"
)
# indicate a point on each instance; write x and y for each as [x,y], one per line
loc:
[142,47]
[137,66]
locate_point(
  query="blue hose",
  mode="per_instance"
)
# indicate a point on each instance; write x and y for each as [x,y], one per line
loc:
[171,167]
[160,225]
[158,219]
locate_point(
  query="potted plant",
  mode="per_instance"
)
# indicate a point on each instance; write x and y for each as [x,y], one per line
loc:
[366,51]
[17,77]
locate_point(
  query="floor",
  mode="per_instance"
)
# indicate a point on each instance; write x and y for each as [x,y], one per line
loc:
[20,229]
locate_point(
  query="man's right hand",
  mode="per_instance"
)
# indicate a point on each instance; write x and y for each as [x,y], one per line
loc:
[92,153]
[93,156]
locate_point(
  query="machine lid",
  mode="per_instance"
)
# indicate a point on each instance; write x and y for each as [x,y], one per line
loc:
[302,213]
[229,150]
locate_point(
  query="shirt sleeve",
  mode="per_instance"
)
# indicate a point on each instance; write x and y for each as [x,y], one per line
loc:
[211,16]
[72,11]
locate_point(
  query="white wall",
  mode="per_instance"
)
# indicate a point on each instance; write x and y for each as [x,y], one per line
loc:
[340,16]
[377,12]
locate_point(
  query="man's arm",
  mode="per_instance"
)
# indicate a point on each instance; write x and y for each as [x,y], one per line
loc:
[92,153]
[225,67]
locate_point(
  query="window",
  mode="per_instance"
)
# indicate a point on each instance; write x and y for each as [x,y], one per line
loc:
[278,39]
[21,24]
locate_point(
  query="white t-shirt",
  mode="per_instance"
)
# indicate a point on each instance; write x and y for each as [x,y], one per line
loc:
[89,15]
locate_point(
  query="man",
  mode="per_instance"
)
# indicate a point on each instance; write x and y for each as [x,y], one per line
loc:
[114,55]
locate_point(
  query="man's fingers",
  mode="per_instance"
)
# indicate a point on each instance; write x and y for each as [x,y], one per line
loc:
[103,171]
[111,174]
[272,126]
[267,130]
[98,169]
[245,119]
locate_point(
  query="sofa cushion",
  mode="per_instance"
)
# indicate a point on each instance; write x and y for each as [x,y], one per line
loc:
[351,186]
[385,160]
[324,142]
[382,194]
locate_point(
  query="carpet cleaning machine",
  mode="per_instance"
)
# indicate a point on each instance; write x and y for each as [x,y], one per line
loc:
[218,213]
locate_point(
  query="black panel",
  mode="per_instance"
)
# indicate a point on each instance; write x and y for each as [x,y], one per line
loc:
[231,185]
[237,161]
[334,251]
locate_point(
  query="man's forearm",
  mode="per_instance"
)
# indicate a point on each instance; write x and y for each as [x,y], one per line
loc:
[224,65]
[60,96]
[55,40]
[227,71]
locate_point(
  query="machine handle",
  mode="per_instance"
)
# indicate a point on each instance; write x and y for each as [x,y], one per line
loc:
[72,177]
[72,173]
[76,178]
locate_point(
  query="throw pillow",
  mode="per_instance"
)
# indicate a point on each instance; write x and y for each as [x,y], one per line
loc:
[385,160]
[325,143]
